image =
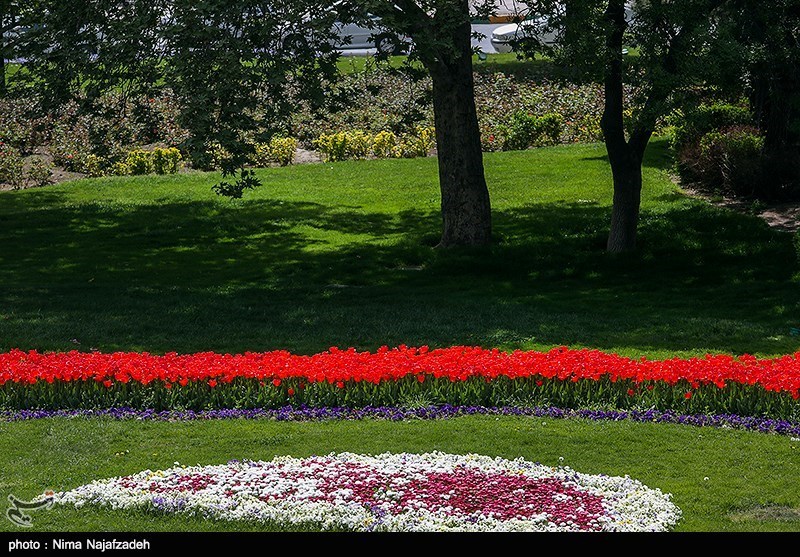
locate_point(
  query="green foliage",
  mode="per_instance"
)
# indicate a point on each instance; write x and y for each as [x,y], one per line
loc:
[39,172]
[242,180]
[358,144]
[384,144]
[731,160]
[797,244]
[11,166]
[707,118]
[243,392]
[525,130]
[139,161]
[280,150]
[166,161]
[21,123]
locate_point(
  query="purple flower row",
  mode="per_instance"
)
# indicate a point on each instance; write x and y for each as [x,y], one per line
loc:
[289,413]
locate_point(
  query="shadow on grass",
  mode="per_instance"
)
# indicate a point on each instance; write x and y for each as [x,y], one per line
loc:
[303,276]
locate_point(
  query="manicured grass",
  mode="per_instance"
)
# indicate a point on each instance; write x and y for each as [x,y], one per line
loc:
[744,471]
[341,254]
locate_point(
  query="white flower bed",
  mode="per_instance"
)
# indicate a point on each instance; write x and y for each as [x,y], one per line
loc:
[394,492]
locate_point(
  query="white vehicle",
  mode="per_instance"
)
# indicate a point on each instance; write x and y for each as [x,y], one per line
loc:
[356,37]
[505,37]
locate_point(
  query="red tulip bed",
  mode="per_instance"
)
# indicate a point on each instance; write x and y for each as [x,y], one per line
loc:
[457,375]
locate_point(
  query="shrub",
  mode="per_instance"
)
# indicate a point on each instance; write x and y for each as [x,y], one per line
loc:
[11,166]
[731,159]
[216,156]
[359,144]
[93,166]
[345,145]
[166,161]
[280,150]
[21,124]
[525,130]
[417,144]
[384,144]
[696,123]
[797,244]
[139,162]
[39,173]
[333,146]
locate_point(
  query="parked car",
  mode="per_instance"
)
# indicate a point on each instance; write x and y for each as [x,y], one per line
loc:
[357,37]
[506,37]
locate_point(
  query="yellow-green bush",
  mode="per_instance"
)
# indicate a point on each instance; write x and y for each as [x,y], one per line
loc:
[358,144]
[334,146]
[279,150]
[139,162]
[383,144]
[420,143]
[166,161]
[158,161]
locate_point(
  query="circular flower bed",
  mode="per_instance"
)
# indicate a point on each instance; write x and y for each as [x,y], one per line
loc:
[394,492]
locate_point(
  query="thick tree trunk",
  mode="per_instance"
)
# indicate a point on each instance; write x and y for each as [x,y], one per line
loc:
[466,210]
[627,172]
[624,155]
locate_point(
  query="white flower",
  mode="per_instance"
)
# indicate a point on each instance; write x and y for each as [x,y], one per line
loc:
[392,492]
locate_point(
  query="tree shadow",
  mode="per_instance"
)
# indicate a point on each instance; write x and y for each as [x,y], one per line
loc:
[657,156]
[266,274]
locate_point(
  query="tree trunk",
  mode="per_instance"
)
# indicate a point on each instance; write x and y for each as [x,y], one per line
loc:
[466,210]
[627,172]
[625,156]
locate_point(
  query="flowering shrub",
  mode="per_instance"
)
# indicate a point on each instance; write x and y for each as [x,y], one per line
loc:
[458,375]
[334,146]
[392,492]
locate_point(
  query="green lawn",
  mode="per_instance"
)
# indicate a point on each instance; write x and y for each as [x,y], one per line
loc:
[341,254]
[745,471]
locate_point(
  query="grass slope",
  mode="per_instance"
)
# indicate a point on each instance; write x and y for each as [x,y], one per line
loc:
[749,475]
[341,254]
